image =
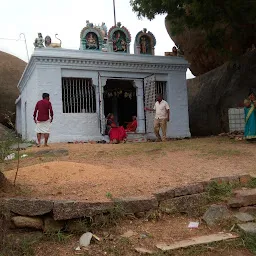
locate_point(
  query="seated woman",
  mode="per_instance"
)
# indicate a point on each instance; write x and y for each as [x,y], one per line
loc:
[116,133]
[250,120]
[132,126]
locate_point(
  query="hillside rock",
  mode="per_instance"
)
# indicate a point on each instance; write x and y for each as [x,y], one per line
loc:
[202,59]
[212,94]
[11,69]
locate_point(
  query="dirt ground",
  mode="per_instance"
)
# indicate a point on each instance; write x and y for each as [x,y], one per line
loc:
[91,171]
[147,233]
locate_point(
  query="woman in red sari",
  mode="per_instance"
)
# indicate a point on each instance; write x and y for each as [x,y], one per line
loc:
[132,126]
[116,133]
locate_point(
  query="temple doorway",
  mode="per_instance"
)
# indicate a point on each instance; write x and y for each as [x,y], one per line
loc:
[120,99]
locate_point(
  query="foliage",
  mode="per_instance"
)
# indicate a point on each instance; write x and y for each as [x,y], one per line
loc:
[215,18]
[8,139]
[252,183]
[250,242]
[219,191]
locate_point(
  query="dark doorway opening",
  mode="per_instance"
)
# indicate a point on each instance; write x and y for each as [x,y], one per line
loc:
[120,99]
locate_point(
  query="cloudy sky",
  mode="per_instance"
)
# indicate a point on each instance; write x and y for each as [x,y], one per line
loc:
[67,18]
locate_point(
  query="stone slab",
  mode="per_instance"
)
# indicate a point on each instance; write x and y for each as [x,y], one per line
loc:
[28,222]
[249,227]
[244,217]
[189,189]
[197,241]
[243,197]
[137,204]
[235,202]
[164,194]
[190,204]
[29,207]
[216,214]
[65,210]
[249,209]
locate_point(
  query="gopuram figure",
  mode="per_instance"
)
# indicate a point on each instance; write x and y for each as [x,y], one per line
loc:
[119,44]
[92,37]
[144,43]
[104,28]
[39,42]
[91,41]
[119,39]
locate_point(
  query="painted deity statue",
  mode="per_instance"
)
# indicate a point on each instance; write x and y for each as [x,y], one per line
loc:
[119,41]
[105,29]
[91,41]
[39,42]
[144,45]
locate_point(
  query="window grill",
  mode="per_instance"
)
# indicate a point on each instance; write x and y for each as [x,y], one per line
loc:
[78,95]
[161,88]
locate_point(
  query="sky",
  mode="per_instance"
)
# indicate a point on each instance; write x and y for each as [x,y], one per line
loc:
[67,18]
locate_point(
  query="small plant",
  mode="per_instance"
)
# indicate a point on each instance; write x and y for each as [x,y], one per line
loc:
[249,241]
[252,183]
[109,195]
[7,141]
[59,237]
[219,191]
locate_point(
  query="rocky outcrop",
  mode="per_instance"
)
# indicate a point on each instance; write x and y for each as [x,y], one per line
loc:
[212,94]
[203,59]
[11,69]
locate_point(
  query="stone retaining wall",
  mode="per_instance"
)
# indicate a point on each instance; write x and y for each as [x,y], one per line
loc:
[50,215]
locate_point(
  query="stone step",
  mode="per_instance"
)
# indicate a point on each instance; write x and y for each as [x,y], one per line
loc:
[136,137]
[248,228]
[249,209]
[244,197]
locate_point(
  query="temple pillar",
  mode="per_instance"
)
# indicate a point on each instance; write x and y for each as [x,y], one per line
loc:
[138,84]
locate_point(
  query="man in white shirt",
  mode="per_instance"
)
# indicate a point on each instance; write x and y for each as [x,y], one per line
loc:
[162,116]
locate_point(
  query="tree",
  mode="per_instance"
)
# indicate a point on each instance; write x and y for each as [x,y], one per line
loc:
[216,18]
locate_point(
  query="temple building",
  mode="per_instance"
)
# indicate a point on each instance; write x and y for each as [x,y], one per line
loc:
[102,77]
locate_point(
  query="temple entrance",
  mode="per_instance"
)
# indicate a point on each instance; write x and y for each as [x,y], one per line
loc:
[120,99]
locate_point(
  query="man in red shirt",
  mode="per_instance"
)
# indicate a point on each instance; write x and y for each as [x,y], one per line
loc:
[43,116]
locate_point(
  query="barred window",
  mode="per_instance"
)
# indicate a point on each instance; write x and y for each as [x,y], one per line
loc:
[161,88]
[78,95]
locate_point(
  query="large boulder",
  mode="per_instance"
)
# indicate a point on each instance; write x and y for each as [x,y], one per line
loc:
[203,59]
[212,94]
[11,69]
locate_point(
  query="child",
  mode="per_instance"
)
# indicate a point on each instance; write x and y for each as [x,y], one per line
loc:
[132,126]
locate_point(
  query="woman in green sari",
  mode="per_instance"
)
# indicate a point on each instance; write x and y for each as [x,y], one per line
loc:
[250,118]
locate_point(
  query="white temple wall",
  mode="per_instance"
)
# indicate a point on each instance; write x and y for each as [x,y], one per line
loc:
[29,97]
[67,126]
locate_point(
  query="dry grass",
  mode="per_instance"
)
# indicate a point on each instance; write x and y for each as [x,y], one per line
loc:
[92,170]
